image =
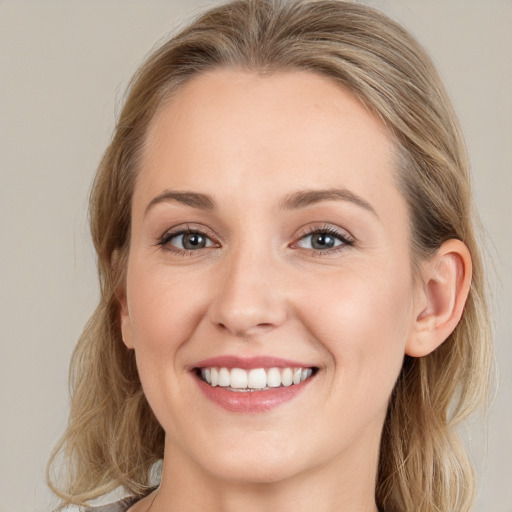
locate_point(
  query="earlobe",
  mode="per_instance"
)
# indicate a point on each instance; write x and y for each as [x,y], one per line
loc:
[446,284]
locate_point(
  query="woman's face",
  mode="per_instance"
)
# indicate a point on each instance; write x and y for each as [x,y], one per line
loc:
[268,236]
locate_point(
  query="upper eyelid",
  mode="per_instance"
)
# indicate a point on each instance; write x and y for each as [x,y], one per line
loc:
[328,228]
[187,228]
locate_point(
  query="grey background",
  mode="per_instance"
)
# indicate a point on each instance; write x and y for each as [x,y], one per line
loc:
[63,69]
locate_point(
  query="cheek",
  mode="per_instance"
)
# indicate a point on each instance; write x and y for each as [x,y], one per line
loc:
[163,307]
[164,310]
[362,317]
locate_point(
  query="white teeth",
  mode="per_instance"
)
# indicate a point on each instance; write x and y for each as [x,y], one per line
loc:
[273,378]
[214,375]
[287,377]
[239,378]
[255,379]
[224,377]
[305,374]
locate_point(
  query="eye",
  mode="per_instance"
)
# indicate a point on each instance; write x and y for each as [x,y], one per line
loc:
[186,240]
[323,240]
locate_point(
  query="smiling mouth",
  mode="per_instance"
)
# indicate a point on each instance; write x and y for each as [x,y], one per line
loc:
[255,379]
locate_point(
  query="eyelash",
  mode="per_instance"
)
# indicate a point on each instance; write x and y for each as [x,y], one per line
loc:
[165,239]
[343,237]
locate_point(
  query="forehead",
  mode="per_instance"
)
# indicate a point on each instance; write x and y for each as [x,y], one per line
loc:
[229,131]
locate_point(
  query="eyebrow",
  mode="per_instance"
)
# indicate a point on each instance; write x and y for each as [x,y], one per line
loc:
[304,198]
[193,199]
[294,201]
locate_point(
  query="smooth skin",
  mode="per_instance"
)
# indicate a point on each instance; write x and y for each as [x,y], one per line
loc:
[257,282]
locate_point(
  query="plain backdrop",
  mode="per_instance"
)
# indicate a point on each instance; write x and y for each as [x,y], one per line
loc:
[64,66]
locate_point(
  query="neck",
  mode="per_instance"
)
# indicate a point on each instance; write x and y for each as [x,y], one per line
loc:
[347,487]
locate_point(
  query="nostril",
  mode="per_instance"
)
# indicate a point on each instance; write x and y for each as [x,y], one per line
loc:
[244,330]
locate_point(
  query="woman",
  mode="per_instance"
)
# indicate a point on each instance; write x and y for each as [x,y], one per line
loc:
[292,309]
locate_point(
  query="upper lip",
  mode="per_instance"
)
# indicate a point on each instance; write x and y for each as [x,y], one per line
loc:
[247,363]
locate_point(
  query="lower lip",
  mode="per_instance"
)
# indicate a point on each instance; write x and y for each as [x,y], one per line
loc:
[251,401]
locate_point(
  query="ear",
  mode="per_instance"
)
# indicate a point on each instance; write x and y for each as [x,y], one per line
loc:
[446,279]
[125,322]
[124,314]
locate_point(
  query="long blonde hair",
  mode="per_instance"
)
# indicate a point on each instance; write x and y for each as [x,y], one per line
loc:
[113,437]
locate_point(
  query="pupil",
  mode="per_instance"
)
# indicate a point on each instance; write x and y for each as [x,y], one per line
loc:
[193,241]
[322,241]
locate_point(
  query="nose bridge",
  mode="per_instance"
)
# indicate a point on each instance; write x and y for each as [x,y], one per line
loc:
[249,297]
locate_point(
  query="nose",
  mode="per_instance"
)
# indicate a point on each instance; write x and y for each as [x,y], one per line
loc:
[250,296]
